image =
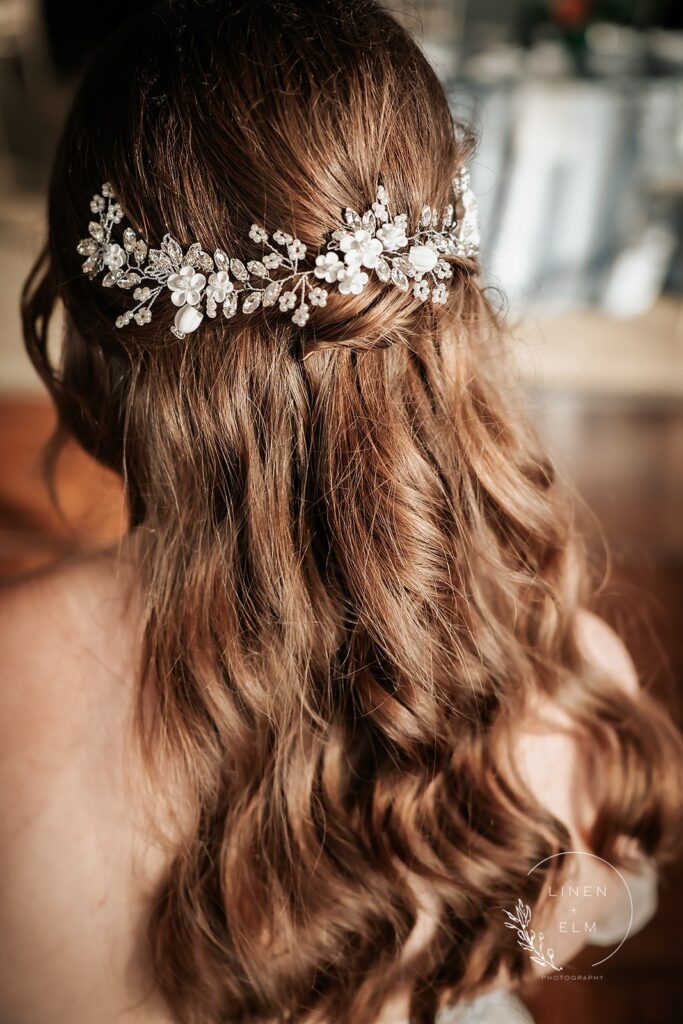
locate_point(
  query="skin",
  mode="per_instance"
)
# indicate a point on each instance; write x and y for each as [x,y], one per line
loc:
[76,861]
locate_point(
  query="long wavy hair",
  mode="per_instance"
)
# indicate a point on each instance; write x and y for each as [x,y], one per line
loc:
[357,567]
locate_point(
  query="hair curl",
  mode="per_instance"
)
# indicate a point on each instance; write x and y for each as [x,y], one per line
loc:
[358,567]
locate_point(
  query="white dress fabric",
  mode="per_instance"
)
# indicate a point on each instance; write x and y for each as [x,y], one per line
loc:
[495,1007]
[642,886]
[499,1006]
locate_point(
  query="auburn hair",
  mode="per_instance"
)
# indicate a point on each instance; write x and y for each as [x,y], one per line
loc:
[357,565]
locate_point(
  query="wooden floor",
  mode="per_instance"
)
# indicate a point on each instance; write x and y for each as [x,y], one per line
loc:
[626,461]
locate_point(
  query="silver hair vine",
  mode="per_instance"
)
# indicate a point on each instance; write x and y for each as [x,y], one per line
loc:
[201,283]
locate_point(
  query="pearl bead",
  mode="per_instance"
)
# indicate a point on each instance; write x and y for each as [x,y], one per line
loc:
[422,257]
[188,319]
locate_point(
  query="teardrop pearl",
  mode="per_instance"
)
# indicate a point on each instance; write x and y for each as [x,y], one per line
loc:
[188,319]
[422,257]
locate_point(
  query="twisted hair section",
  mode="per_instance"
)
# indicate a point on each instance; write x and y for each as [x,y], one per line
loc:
[357,566]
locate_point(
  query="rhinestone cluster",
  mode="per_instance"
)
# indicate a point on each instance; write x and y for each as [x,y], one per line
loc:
[201,283]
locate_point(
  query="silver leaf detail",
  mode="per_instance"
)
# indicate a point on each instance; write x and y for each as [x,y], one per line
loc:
[159,259]
[425,216]
[400,279]
[173,249]
[192,254]
[257,268]
[448,216]
[204,262]
[128,280]
[252,302]
[239,270]
[352,219]
[271,293]
[383,270]
[230,305]
[369,221]
[221,260]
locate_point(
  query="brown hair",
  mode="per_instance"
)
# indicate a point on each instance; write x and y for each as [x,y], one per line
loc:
[358,565]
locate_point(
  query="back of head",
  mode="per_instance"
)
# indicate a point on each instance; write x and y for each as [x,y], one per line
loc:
[356,564]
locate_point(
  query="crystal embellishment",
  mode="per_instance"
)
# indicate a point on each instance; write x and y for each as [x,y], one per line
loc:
[376,243]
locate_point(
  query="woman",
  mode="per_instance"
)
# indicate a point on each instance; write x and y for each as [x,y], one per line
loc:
[280,756]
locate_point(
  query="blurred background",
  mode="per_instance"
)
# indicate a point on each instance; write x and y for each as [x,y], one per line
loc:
[579,173]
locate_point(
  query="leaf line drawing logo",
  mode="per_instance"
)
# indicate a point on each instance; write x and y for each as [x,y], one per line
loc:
[526,937]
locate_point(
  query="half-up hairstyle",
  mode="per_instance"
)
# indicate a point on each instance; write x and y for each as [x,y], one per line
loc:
[357,567]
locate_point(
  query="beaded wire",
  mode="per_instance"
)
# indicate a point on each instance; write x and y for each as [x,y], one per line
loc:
[200,283]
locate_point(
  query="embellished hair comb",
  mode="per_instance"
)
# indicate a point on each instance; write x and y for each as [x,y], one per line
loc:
[200,283]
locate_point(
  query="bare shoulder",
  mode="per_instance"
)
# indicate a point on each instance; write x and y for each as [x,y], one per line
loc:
[607,651]
[68,909]
[548,753]
[65,651]
[63,630]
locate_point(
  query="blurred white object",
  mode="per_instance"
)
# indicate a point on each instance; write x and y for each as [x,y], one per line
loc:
[549,58]
[565,149]
[495,1007]
[499,63]
[30,98]
[667,47]
[629,916]
[615,49]
[15,16]
[638,273]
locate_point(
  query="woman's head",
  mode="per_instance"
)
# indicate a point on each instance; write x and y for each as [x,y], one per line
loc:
[357,565]
[209,116]
[280,113]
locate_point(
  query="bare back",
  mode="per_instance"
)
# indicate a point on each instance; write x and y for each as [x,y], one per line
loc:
[77,870]
[78,864]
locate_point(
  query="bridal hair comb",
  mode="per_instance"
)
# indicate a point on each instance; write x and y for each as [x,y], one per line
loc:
[200,283]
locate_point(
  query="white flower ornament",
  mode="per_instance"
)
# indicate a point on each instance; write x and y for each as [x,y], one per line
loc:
[380,211]
[272,260]
[352,280]
[392,236]
[258,234]
[114,257]
[219,286]
[377,243]
[328,267]
[296,250]
[287,301]
[186,287]
[360,247]
[301,315]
